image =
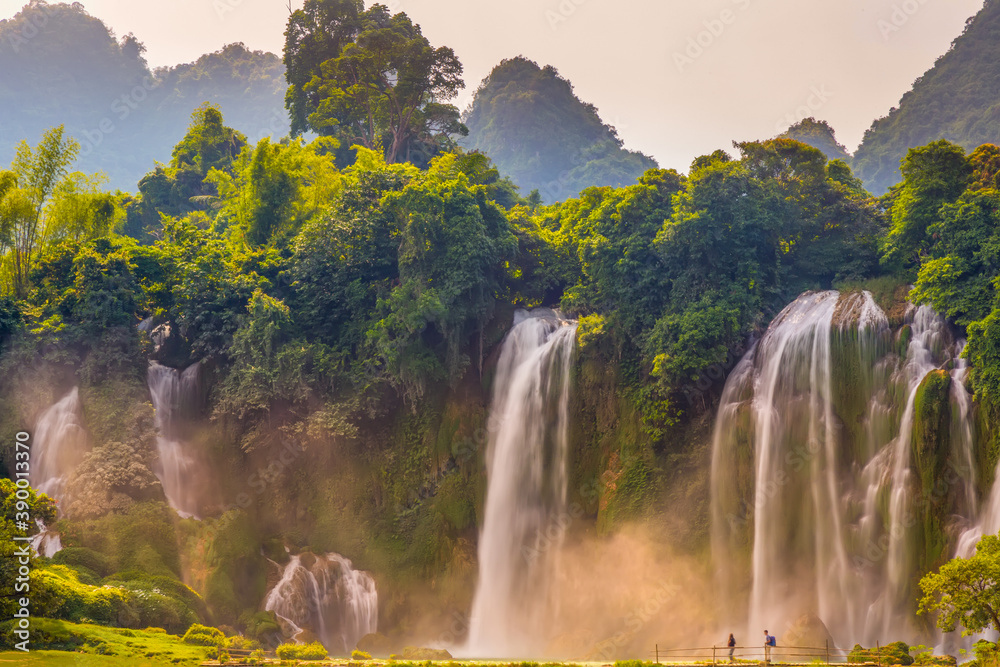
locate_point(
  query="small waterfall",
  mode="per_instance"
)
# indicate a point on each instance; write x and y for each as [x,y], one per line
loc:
[174,394]
[46,542]
[526,487]
[59,445]
[328,597]
[813,472]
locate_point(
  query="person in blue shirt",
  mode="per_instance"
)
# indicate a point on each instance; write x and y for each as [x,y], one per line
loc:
[732,647]
[768,643]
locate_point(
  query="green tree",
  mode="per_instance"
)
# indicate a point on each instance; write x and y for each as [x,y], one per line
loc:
[385,87]
[454,244]
[184,185]
[966,591]
[933,175]
[315,34]
[38,172]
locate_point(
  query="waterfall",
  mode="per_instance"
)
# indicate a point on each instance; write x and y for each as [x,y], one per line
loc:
[46,542]
[59,445]
[174,394]
[526,487]
[328,597]
[813,474]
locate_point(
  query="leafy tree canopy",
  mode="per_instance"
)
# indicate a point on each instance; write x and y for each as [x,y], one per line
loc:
[370,78]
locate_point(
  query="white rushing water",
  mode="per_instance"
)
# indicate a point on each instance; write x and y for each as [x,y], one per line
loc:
[812,468]
[46,542]
[526,487]
[59,444]
[328,597]
[173,393]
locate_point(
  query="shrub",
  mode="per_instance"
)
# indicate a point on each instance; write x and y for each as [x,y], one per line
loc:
[242,643]
[360,655]
[896,653]
[314,651]
[78,557]
[59,593]
[260,625]
[257,657]
[202,635]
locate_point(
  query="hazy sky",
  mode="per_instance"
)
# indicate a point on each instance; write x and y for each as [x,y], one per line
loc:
[678,78]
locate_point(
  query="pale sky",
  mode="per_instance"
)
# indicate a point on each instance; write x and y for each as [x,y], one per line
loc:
[760,64]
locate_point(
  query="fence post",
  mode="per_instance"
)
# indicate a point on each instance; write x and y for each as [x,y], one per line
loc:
[878,653]
[657,654]
[713,656]
[828,651]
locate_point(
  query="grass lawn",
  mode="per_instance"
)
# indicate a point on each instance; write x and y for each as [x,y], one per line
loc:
[83,645]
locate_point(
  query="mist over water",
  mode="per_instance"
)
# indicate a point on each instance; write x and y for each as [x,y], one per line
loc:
[813,468]
[519,547]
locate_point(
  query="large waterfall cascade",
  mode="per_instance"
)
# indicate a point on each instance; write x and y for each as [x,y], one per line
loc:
[526,487]
[326,596]
[814,472]
[173,394]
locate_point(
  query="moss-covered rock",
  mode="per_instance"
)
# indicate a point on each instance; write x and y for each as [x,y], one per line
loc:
[417,653]
[931,444]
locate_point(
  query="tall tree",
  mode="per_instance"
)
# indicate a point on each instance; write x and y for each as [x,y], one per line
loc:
[933,175]
[316,33]
[37,171]
[385,88]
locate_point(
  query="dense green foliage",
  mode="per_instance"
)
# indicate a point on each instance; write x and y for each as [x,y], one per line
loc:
[945,219]
[345,306]
[819,135]
[313,651]
[15,511]
[896,653]
[529,121]
[954,100]
[61,66]
[966,591]
[370,78]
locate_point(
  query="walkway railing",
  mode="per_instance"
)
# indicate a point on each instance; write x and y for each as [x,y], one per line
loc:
[786,655]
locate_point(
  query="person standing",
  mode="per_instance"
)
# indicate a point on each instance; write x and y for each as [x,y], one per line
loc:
[732,647]
[768,643]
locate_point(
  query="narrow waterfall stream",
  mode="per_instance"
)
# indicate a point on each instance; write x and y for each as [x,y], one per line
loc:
[814,470]
[526,488]
[173,393]
[59,444]
[328,597]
